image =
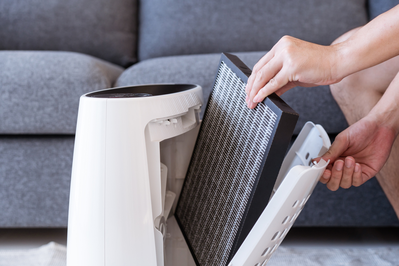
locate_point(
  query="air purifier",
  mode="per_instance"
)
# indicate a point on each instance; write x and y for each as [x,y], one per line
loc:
[152,184]
[119,200]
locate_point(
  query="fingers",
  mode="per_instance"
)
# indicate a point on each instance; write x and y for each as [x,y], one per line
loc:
[326,176]
[344,173]
[339,146]
[349,168]
[336,176]
[262,62]
[285,88]
[266,81]
[357,176]
[273,85]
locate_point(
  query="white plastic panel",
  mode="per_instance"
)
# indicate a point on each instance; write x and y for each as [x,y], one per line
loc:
[279,215]
[177,162]
[177,252]
[296,181]
[311,143]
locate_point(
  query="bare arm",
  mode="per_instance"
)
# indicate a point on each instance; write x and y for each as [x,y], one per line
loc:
[372,44]
[366,145]
[292,62]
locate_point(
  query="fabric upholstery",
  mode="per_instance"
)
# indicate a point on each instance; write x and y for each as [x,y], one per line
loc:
[178,27]
[312,104]
[366,205]
[102,28]
[376,7]
[37,194]
[35,174]
[39,91]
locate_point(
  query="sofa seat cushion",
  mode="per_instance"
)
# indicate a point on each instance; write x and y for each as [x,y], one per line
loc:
[312,104]
[35,175]
[179,27]
[39,91]
[101,28]
[36,181]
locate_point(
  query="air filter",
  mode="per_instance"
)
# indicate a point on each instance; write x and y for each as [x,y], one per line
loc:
[234,166]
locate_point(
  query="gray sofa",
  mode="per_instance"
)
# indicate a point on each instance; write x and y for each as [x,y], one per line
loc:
[53,51]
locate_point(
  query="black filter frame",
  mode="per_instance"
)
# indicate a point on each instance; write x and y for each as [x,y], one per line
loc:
[266,175]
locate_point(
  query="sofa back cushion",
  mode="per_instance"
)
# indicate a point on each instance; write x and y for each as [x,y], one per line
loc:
[102,28]
[176,27]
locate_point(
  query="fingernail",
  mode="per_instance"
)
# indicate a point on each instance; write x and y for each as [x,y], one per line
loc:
[256,99]
[339,165]
[357,168]
[348,163]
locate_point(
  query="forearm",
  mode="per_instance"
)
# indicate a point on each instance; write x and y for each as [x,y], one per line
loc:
[293,62]
[372,44]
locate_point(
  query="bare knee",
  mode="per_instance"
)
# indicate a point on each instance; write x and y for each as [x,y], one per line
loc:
[348,89]
[358,93]
[354,96]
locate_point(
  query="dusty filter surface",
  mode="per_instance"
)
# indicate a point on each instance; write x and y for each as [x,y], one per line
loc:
[234,166]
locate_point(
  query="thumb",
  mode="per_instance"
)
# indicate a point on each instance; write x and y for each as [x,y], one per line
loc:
[339,146]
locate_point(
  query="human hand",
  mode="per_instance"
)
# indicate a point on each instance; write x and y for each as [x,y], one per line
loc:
[291,62]
[357,154]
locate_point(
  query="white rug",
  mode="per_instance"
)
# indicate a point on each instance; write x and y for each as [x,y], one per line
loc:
[54,254]
[381,256]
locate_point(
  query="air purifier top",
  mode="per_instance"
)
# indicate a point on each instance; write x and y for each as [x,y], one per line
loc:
[141,91]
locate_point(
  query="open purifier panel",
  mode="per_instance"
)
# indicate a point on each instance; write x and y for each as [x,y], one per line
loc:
[234,166]
[296,181]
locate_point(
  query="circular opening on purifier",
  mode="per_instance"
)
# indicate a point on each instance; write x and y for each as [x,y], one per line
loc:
[141,91]
[121,95]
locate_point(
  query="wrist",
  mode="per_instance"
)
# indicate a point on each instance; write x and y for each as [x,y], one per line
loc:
[344,59]
[386,116]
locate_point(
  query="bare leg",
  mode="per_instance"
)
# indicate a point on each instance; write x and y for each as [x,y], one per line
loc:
[388,177]
[356,95]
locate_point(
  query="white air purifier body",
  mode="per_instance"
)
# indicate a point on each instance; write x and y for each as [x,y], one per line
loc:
[136,146]
[120,196]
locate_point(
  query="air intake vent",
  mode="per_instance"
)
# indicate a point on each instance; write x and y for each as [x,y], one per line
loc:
[234,166]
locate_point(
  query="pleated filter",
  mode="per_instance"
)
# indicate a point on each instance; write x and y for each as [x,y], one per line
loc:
[234,166]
